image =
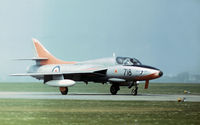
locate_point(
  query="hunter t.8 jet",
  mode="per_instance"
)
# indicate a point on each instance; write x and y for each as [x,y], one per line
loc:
[118,71]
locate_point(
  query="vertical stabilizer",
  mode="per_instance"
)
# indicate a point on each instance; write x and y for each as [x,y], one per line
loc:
[44,53]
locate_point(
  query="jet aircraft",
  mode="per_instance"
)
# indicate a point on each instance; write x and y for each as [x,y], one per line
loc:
[118,71]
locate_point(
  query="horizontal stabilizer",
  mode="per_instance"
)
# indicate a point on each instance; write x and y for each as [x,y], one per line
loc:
[34,59]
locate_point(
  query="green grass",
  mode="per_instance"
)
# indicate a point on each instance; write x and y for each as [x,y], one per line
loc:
[82,112]
[154,88]
[74,112]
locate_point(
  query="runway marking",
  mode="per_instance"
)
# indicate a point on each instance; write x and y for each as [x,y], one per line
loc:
[98,96]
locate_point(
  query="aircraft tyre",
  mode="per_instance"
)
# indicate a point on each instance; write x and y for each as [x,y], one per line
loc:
[64,90]
[114,89]
[134,91]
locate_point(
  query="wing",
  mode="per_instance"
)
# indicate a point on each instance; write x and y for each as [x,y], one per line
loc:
[87,71]
[91,73]
[35,74]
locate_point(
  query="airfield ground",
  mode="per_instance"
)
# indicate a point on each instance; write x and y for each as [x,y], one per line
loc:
[98,112]
[154,88]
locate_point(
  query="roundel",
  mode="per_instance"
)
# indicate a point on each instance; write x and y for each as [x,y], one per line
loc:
[56,69]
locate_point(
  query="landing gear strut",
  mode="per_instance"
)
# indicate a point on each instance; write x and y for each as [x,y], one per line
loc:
[64,90]
[114,89]
[135,89]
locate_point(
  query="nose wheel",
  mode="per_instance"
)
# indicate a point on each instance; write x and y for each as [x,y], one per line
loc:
[114,89]
[134,91]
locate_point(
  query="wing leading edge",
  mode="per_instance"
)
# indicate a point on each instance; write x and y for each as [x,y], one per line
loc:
[99,71]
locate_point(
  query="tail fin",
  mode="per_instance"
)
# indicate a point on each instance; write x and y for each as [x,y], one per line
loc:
[43,53]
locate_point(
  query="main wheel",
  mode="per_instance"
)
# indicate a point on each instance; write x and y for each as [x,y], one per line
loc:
[64,90]
[114,89]
[134,91]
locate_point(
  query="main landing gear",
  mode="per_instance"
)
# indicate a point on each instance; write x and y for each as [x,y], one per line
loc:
[114,89]
[64,90]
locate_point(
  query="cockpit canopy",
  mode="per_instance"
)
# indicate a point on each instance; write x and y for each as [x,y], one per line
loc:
[127,61]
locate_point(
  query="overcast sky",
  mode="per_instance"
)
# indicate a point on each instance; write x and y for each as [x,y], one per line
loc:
[161,33]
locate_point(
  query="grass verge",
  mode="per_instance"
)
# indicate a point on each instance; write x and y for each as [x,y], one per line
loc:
[77,112]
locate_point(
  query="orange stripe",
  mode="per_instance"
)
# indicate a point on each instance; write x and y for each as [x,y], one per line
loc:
[147,77]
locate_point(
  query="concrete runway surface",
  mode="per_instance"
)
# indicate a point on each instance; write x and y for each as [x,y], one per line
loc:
[97,96]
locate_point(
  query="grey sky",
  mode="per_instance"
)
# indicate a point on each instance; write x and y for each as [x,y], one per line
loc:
[161,33]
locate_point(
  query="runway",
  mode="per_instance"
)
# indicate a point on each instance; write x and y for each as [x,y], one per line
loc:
[97,96]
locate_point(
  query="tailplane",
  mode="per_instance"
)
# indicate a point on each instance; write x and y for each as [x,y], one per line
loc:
[45,56]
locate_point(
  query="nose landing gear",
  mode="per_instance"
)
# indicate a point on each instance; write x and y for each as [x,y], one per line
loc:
[135,89]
